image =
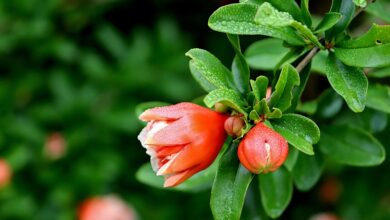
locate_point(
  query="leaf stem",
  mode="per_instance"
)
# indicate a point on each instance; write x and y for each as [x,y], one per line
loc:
[307,59]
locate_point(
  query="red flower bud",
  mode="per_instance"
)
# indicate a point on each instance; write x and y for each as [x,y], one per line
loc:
[105,208]
[182,140]
[262,149]
[234,125]
[55,146]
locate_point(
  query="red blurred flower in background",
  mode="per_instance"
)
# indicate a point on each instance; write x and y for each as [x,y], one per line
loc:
[262,149]
[55,146]
[182,139]
[105,208]
[5,173]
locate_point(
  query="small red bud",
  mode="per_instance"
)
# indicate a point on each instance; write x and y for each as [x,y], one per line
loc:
[262,150]
[234,126]
[221,108]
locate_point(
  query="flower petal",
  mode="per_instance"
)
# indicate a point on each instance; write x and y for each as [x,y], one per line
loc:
[165,113]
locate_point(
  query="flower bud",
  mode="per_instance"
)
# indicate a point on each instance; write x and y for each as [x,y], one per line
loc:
[182,140]
[234,126]
[262,150]
[221,108]
[55,146]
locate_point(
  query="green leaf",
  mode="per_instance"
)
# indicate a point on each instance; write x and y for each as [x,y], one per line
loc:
[351,146]
[230,186]
[239,19]
[276,113]
[291,158]
[276,190]
[289,6]
[330,19]
[319,62]
[329,104]
[240,68]
[265,54]
[297,92]
[306,13]
[369,50]
[199,182]
[299,131]
[349,82]
[259,87]
[227,97]
[379,9]
[269,16]
[209,71]
[378,56]
[307,171]
[282,96]
[360,3]
[380,73]
[347,9]
[378,97]
[147,105]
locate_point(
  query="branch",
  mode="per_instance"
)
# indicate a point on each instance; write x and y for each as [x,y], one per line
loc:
[307,59]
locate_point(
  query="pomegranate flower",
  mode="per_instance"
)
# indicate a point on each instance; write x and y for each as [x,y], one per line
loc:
[182,140]
[262,150]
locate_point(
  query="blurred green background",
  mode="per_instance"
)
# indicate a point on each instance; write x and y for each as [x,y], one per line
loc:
[78,68]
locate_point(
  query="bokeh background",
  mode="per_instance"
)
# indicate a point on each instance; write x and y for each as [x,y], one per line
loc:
[71,75]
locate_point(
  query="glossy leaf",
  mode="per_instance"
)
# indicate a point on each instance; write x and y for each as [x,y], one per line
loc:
[209,71]
[227,97]
[297,92]
[265,54]
[239,19]
[349,82]
[240,68]
[378,97]
[199,182]
[351,146]
[276,190]
[378,56]
[230,186]
[307,171]
[306,12]
[289,6]
[372,49]
[259,87]
[282,96]
[299,131]
[379,9]
[319,62]
[347,9]
[330,19]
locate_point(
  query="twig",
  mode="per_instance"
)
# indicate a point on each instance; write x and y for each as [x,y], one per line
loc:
[307,59]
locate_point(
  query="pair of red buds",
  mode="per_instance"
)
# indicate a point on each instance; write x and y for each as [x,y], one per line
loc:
[185,138]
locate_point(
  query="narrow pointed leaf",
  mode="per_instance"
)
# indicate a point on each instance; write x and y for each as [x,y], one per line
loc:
[240,68]
[329,20]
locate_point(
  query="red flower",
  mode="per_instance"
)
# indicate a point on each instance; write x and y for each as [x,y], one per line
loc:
[182,139]
[5,173]
[105,208]
[262,150]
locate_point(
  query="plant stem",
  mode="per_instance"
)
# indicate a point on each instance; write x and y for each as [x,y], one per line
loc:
[307,59]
